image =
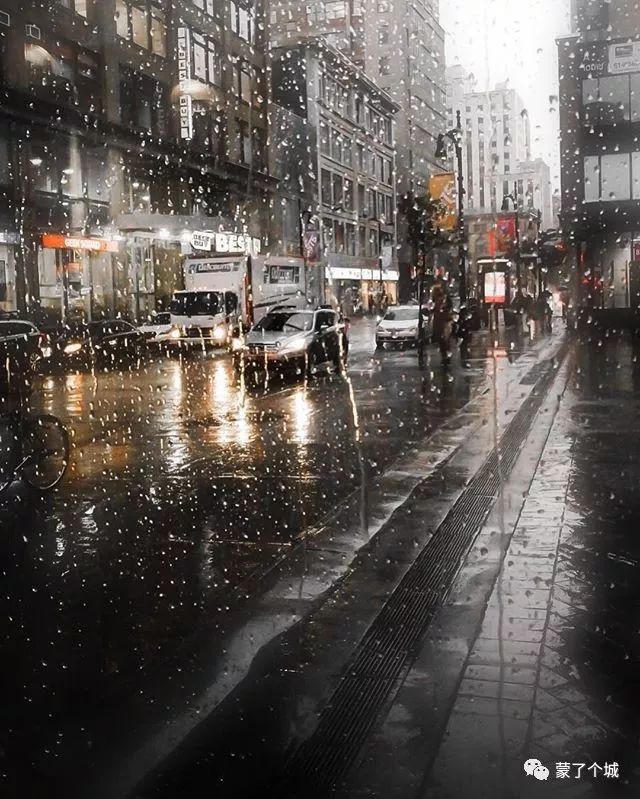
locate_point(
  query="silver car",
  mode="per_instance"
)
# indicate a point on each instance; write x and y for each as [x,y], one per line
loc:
[399,325]
[302,338]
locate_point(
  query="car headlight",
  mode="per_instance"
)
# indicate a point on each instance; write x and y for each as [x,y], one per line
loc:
[220,333]
[73,347]
[296,345]
[237,344]
[46,351]
[174,333]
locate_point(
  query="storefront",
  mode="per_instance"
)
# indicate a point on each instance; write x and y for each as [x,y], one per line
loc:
[361,289]
[76,276]
[8,242]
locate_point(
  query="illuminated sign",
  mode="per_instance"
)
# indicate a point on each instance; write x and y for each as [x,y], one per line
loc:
[226,243]
[624,58]
[54,241]
[184,76]
[495,287]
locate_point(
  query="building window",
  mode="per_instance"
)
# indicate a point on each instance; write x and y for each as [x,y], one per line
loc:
[348,194]
[608,101]
[315,13]
[338,192]
[325,187]
[384,65]
[242,21]
[384,6]
[336,145]
[143,102]
[205,5]
[79,6]
[383,34]
[142,23]
[608,178]
[243,145]
[324,140]
[205,59]
[242,83]
[335,9]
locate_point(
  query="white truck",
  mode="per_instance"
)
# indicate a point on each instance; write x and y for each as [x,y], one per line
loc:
[225,294]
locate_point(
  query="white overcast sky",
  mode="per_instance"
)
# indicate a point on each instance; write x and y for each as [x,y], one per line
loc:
[515,40]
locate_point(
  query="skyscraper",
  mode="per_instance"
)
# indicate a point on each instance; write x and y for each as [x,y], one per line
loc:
[497,140]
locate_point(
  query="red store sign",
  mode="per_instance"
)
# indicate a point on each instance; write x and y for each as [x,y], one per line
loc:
[55,241]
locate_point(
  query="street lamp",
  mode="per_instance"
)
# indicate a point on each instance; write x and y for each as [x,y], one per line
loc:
[505,207]
[455,135]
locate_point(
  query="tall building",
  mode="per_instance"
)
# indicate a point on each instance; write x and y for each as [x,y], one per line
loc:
[496,151]
[124,126]
[340,126]
[600,19]
[599,71]
[400,45]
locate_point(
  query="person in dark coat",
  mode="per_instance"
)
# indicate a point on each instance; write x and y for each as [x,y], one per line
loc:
[442,320]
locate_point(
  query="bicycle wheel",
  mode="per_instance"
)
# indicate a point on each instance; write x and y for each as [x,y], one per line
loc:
[45,449]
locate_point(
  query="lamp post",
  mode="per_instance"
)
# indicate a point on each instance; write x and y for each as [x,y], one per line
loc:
[505,207]
[455,135]
[380,264]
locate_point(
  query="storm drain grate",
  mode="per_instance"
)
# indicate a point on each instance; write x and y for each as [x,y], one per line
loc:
[534,374]
[391,641]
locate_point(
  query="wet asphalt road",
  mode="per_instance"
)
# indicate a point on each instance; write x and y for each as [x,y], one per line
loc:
[183,489]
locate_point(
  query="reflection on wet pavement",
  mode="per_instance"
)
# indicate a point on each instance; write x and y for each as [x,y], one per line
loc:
[183,486]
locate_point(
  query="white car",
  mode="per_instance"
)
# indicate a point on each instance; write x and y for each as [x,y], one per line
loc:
[158,330]
[399,325]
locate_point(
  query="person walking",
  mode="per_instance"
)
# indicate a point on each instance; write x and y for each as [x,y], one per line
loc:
[442,321]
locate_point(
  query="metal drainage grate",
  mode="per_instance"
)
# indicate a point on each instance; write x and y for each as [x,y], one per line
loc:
[390,643]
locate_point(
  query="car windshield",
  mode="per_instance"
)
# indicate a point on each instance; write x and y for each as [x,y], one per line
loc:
[197,303]
[285,322]
[401,314]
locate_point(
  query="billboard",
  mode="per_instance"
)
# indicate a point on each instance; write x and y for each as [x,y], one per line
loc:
[442,189]
[502,236]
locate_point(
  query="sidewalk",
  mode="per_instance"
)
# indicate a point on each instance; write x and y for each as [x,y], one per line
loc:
[535,653]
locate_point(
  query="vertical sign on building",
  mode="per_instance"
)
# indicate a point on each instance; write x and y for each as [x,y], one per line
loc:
[184,76]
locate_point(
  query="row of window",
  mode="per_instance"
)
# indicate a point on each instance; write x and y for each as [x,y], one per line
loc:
[611,178]
[143,23]
[354,107]
[611,100]
[241,17]
[337,192]
[340,237]
[329,10]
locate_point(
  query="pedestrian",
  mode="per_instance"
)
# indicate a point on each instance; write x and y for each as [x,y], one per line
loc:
[543,312]
[564,301]
[442,321]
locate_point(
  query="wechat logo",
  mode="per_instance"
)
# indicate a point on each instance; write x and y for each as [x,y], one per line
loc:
[534,768]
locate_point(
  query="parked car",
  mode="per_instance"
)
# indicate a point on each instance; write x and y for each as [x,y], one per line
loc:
[399,325]
[306,339]
[105,343]
[158,331]
[22,348]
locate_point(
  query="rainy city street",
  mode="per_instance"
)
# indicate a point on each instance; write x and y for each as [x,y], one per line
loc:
[183,493]
[320,399]
[220,557]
